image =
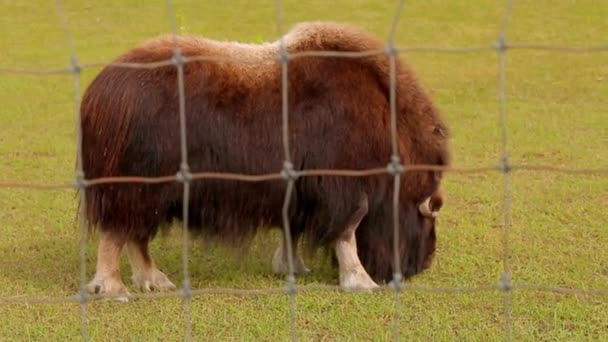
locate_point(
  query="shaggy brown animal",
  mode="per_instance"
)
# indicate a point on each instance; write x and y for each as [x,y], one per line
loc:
[339,119]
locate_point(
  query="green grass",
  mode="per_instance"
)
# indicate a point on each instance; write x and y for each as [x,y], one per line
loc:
[557,112]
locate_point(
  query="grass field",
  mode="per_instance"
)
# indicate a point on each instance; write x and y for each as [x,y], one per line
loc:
[557,108]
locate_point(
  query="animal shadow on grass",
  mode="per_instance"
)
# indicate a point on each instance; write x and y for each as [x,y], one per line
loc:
[215,265]
[51,267]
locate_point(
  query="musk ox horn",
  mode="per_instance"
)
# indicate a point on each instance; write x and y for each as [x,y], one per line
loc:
[425,208]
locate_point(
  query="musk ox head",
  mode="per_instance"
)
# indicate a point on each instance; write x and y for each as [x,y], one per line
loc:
[417,239]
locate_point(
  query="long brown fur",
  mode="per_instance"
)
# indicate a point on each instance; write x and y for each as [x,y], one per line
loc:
[339,118]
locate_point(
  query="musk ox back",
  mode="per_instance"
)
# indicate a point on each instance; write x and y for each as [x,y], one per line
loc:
[339,119]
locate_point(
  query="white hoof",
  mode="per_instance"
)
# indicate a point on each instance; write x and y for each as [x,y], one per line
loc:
[153,280]
[109,287]
[280,265]
[357,280]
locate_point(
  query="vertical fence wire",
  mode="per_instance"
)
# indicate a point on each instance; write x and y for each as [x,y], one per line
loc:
[184,175]
[80,185]
[501,48]
[395,168]
[288,172]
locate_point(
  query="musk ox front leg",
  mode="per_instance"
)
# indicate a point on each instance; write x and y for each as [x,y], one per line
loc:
[146,276]
[353,276]
[107,280]
[280,264]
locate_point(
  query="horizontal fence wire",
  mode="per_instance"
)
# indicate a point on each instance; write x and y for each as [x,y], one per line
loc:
[312,288]
[288,174]
[311,53]
[242,177]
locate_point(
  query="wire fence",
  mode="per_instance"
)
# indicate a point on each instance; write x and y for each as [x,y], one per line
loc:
[289,174]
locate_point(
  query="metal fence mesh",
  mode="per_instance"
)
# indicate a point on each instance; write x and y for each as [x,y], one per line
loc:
[289,174]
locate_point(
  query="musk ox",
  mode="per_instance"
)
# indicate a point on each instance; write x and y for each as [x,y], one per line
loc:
[339,119]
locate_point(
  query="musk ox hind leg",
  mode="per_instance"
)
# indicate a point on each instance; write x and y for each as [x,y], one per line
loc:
[146,276]
[353,276]
[280,264]
[107,280]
